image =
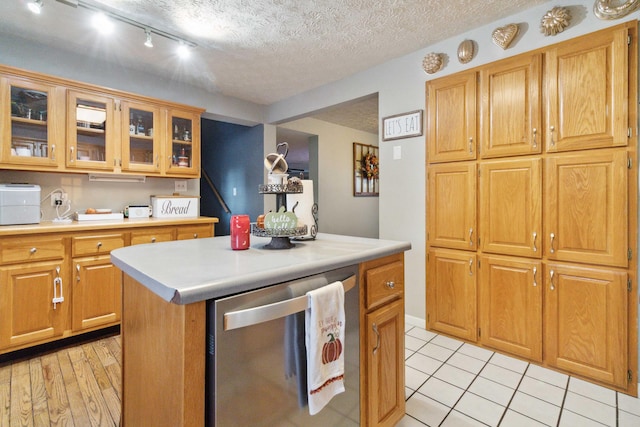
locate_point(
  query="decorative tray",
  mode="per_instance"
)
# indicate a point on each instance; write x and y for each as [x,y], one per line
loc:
[278,232]
[280,188]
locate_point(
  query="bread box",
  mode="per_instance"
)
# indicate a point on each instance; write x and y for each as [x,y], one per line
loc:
[175,206]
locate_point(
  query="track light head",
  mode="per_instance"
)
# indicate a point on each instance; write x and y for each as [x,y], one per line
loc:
[148,42]
[35,6]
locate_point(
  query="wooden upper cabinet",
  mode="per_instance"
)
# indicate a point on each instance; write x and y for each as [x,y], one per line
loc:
[511,207]
[586,321]
[141,132]
[451,293]
[586,216]
[451,118]
[31,123]
[587,92]
[511,107]
[451,220]
[511,305]
[91,131]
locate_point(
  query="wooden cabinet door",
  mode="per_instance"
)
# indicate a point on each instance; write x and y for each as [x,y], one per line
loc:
[186,232]
[385,365]
[451,118]
[31,124]
[140,134]
[451,293]
[97,293]
[587,92]
[28,312]
[91,132]
[586,216]
[511,305]
[586,321]
[451,201]
[511,110]
[511,207]
[152,235]
[183,144]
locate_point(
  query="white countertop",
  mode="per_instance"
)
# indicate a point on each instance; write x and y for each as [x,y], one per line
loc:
[187,271]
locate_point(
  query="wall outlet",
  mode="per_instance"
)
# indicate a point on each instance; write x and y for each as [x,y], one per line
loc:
[181,185]
[58,199]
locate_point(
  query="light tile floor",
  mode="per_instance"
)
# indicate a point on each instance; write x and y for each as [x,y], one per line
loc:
[452,383]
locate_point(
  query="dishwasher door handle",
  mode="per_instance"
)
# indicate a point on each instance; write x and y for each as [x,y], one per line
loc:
[264,313]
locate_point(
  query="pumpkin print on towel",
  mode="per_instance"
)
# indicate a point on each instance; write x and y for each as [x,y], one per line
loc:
[331,350]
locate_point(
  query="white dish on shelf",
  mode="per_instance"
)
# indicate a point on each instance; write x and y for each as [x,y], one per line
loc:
[23,151]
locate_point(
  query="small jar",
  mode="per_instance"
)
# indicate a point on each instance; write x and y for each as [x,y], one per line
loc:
[240,232]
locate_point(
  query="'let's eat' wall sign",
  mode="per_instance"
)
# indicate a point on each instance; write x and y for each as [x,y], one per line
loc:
[403,125]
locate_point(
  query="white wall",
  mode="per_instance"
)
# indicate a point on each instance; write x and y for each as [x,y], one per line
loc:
[401,87]
[339,212]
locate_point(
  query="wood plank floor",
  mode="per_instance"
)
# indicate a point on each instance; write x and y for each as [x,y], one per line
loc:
[76,386]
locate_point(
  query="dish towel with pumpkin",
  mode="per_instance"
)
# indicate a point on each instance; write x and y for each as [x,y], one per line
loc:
[325,328]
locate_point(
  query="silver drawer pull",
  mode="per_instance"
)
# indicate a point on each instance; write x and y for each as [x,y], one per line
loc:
[99,245]
[552,236]
[535,271]
[391,285]
[195,235]
[535,236]
[535,142]
[153,240]
[470,269]
[33,250]
[552,287]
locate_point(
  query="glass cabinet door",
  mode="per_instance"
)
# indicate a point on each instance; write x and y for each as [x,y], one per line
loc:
[90,131]
[140,136]
[184,152]
[32,130]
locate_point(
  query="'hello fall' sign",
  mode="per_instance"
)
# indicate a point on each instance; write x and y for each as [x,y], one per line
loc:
[403,125]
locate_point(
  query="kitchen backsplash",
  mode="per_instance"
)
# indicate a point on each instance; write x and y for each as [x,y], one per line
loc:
[101,195]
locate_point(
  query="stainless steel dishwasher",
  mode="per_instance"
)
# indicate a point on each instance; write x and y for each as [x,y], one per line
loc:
[256,374]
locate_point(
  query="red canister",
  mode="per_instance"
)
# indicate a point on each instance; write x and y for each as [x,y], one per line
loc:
[240,232]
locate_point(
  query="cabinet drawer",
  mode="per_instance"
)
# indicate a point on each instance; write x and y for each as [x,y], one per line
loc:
[194,232]
[152,235]
[27,249]
[384,283]
[96,244]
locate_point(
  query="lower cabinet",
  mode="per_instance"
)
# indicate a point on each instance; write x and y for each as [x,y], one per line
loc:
[54,285]
[511,305]
[382,359]
[566,316]
[27,306]
[452,293]
[586,321]
[97,293]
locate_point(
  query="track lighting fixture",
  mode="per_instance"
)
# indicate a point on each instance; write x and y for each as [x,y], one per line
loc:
[35,6]
[183,50]
[104,22]
[148,42]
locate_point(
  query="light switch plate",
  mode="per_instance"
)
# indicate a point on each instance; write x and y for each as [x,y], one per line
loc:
[397,152]
[181,185]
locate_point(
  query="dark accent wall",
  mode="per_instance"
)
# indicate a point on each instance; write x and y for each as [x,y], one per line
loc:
[232,156]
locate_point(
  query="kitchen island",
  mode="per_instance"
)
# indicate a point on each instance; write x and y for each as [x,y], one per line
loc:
[167,286]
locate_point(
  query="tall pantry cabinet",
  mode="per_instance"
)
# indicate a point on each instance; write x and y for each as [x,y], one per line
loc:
[532,206]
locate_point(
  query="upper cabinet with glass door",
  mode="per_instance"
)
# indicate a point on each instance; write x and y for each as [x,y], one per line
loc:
[140,136]
[91,132]
[32,130]
[183,157]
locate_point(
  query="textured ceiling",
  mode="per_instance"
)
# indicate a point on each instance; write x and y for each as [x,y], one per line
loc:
[259,50]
